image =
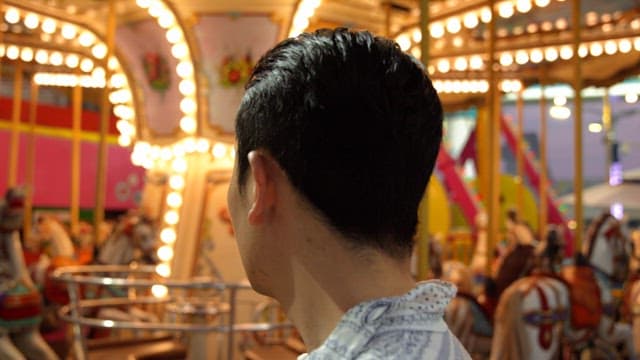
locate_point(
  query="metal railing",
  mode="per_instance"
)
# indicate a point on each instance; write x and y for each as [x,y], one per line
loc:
[130,277]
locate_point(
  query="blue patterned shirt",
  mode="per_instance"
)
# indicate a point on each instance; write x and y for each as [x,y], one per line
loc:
[405,327]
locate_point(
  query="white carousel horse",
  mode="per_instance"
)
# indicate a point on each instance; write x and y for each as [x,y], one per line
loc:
[20,301]
[532,320]
[133,239]
[55,246]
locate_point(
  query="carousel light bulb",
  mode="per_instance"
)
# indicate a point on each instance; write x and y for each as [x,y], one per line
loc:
[523,6]
[171,217]
[174,35]
[42,57]
[460,64]
[506,59]
[532,28]
[68,31]
[163,270]
[470,20]
[166,19]
[72,61]
[625,46]
[436,30]
[124,140]
[476,62]
[13,52]
[143,3]
[86,39]
[560,112]
[189,145]
[188,124]
[595,128]
[610,47]
[562,24]
[176,182]
[122,126]
[444,66]
[596,49]
[12,15]
[583,50]
[113,63]
[49,25]
[521,57]
[566,52]
[159,291]
[56,58]
[188,106]
[536,56]
[180,50]
[560,100]
[99,50]
[416,35]
[505,10]
[453,25]
[551,54]
[458,42]
[219,150]
[156,8]
[636,44]
[404,41]
[98,72]
[86,65]
[631,98]
[26,54]
[166,154]
[202,145]
[174,199]
[542,3]
[179,164]
[184,69]
[485,14]
[31,21]
[118,80]
[416,52]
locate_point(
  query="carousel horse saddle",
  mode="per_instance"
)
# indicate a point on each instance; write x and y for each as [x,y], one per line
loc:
[584,295]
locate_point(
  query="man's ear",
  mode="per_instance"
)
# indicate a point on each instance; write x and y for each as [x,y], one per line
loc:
[264,189]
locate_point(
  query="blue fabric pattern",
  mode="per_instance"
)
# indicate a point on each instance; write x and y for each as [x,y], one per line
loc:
[404,327]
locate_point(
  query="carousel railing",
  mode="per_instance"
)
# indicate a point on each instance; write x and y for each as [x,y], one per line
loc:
[129,277]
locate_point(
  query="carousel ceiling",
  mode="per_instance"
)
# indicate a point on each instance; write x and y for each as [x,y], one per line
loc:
[534,37]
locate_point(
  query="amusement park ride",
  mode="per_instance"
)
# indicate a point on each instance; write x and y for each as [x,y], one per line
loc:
[125,108]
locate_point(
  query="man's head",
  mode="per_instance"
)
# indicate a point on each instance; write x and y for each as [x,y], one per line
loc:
[354,124]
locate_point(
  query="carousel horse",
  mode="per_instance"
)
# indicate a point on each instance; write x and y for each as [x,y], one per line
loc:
[133,239]
[544,314]
[55,247]
[20,301]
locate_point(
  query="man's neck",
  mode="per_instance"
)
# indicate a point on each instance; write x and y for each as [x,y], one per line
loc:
[330,280]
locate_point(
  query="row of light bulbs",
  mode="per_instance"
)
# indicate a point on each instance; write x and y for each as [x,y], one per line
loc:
[46,57]
[181,52]
[477,86]
[159,157]
[305,10]
[535,55]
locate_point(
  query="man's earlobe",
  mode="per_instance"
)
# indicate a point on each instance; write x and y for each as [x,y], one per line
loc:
[263,197]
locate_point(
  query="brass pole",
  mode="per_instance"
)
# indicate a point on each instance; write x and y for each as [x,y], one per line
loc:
[606,127]
[31,159]
[105,111]
[519,153]
[423,244]
[14,147]
[577,151]
[76,104]
[494,134]
[544,178]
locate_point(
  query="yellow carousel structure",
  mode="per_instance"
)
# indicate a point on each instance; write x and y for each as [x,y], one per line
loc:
[162,81]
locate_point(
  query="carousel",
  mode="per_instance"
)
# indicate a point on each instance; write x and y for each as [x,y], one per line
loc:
[117,146]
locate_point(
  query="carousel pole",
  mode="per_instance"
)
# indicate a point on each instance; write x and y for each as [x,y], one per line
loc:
[606,126]
[105,111]
[14,148]
[577,152]
[493,199]
[31,159]
[76,100]
[520,153]
[423,243]
[544,178]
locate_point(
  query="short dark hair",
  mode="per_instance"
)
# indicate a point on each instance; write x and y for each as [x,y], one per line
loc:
[355,124]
